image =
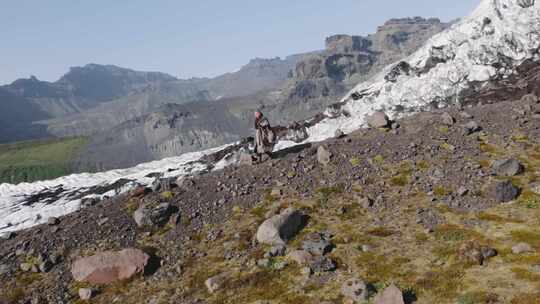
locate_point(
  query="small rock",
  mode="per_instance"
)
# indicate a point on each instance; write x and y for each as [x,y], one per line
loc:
[366,248]
[7,236]
[4,269]
[306,271]
[86,294]
[447,119]
[378,120]
[280,228]
[215,283]
[339,134]
[102,221]
[466,115]
[322,264]
[356,290]
[522,248]
[264,263]
[277,250]
[365,202]
[26,267]
[471,127]
[504,191]
[507,167]
[391,295]
[323,156]
[301,257]
[529,98]
[473,252]
[316,244]
[53,221]
[462,191]
[276,192]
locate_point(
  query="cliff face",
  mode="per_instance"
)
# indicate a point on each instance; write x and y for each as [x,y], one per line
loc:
[322,78]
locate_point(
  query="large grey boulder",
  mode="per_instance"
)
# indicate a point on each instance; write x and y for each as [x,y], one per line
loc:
[280,228]
[378,120]
[391,295]
[507,167]
[108,267]
[152,214]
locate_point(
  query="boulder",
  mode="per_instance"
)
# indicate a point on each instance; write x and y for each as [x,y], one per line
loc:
[447,119]
[522,248]
[507,167]
[355,290]
[323,155]
[378,120]
[152,214]
[339,134]
[503,191]
[108,267]
[280,228]
[390,295]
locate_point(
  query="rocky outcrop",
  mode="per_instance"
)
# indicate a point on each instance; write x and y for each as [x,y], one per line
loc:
[109,267]
[321,78]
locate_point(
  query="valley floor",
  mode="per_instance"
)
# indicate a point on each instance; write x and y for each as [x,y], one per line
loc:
[408,206]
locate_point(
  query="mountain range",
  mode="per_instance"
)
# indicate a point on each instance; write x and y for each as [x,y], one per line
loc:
[145,116]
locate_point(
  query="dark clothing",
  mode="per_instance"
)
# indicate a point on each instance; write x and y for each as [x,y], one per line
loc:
[264,136]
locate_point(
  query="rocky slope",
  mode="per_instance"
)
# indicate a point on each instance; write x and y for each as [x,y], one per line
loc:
[172,130]
[431,211]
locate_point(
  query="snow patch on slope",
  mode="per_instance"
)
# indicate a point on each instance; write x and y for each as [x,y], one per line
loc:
[18,212]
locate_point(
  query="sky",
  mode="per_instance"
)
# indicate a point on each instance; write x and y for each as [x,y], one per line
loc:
[185,38]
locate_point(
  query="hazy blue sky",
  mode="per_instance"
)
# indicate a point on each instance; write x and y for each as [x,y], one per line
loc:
[184,37]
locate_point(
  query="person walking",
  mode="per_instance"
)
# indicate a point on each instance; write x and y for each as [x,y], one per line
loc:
[264,137]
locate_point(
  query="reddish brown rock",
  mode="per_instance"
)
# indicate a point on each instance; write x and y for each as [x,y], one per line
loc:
[108,267]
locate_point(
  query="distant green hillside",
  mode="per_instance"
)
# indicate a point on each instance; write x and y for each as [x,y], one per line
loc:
[38,160]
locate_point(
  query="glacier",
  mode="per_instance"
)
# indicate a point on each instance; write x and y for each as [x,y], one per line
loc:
[489,44]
